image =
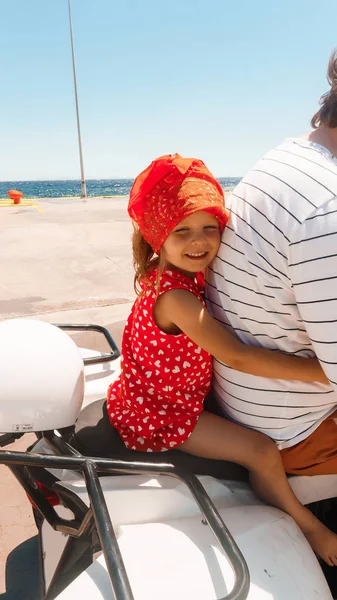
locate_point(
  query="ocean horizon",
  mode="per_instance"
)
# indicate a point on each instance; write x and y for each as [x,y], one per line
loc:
[72,187]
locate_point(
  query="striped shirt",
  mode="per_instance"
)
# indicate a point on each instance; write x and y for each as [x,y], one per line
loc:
[274,283]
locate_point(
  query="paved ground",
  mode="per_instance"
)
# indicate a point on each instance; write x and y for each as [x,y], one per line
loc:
[69,261]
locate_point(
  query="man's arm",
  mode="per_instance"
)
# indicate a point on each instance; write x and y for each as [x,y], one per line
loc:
[313,273]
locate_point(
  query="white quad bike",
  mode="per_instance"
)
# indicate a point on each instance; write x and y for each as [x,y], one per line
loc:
[122,529]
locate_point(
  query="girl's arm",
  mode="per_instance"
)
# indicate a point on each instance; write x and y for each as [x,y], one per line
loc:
[182,309]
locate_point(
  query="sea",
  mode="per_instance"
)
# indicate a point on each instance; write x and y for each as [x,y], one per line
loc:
[72,187]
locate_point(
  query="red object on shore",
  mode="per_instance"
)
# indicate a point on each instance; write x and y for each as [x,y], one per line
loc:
[15,195]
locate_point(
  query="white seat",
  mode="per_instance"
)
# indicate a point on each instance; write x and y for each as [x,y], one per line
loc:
[314,488]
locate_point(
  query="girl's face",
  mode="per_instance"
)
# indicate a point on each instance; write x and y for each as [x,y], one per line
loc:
[193,243]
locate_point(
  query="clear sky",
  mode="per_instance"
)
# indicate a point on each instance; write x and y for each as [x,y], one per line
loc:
[223,80]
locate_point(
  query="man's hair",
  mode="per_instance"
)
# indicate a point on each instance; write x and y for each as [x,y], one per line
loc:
[327,114]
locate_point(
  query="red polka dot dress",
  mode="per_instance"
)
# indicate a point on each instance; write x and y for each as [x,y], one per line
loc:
[156,402]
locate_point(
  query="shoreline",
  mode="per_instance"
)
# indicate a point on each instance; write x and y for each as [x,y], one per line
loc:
[8,202]
[44,198]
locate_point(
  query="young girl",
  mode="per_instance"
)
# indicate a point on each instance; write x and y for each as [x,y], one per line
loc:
[157,403]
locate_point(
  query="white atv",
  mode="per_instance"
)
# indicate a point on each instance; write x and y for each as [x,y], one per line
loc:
[138,526]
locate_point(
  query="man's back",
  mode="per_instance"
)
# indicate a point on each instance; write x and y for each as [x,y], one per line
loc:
[274,282]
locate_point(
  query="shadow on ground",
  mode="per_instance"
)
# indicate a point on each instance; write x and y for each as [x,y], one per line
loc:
[22,572]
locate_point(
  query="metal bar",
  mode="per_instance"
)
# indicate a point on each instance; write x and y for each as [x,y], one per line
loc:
[83,183]
[21,473]
[105,357]
[91,327]
[106,465]
[57,444]
[224,537]
[213,518]
[74,527]
[112,554]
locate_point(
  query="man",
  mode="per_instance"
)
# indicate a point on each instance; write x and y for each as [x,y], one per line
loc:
[274,283]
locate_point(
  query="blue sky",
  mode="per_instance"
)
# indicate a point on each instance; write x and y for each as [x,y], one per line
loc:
[222,80]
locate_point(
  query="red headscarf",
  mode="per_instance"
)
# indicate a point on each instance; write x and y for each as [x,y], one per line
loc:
[168,191]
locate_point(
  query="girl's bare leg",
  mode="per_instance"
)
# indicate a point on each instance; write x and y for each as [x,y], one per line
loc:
[217,438]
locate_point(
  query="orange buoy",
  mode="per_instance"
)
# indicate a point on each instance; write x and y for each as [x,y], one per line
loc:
[15,195]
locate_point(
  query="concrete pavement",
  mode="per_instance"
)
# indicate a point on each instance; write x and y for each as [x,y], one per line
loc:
[69,261]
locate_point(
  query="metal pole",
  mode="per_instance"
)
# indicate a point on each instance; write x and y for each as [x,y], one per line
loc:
[112,554]
[83,183]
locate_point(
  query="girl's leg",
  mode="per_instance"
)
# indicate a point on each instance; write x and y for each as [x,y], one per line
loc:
[217,438]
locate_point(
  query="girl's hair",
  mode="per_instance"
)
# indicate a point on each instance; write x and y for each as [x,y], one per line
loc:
[327,114]
[144,260]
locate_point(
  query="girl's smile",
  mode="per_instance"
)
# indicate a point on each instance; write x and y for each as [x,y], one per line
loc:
[193,243]
[197,256]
